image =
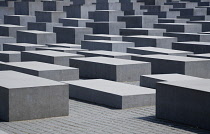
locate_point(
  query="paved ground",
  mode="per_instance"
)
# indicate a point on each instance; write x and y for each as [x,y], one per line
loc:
[89,118]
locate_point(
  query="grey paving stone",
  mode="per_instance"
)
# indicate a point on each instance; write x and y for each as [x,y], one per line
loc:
[112,94]
[31,91]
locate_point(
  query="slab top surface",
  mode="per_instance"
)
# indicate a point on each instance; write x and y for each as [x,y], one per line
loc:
[161,50]
[52,53]
[112,87]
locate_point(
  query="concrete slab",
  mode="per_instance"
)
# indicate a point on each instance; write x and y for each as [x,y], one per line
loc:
[20,46]
[110,68]
[30,97]
[113,94]
[10,56]
[47,56]
[62,49]
[65,45]
[103,37]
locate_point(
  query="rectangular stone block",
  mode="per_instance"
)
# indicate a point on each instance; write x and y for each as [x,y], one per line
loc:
[103,37]
[4,39]
[204,56]
[204,23]
[112,28]
[117,46]
[172,20]
[112,94]
[139,21]
[44,70]
[20,46]
[21,20]
[28,8]
[188,36]
[184,102]
[72,35]
[150,81]
[193,46]
[110,68]
[180,27]
[49,16]
[10,56]
[142,31]
[10,30]
[153,41]
[55,5]
[75,22]
[103,53]
[35,37]
[62,49]
[164,64]
[156,50]
[47,56]
[65,45]
[27,97]
[42,26]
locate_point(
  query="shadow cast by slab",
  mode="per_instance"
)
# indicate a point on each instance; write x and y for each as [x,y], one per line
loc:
[168,123]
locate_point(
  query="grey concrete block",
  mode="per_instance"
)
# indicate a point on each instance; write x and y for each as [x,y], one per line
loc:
[180,27]
[108,6]
[55,5]
[106,27]
[26,97]
[184,102]
[20,46]
[103,53]
[111,68]
[117,46]
[10,30]
[142,31]
[6,11]
[105,15]
[19,19]
[28,8]
[153,41]
[181,37]
[36,37]
[139,21]
[103,37]
[62,49]
[4,39]
[75,22]
[150,81]
[47,56]
[155,50]
[42,26]
[10,56]
[44,70]
[72,35]
[112,94]
[204,56]
[79,11]
[172,20]
[49,16]
[193,46]
[163,64]
[205,25]
[65,45]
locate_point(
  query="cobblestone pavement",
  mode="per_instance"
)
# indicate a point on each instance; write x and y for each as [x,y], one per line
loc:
[85,118]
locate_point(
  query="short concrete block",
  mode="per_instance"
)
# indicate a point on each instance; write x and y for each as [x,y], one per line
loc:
[27,97]
[117,46]
[111,68]
[62,49]
[20,46]
[153,41]
[165,64]
[72,35]
[103,37]
[47,56]
[75,22]
[36,37]
[112,94]
[150,81]
[42,26]
[49,16]
[10,30]
[184,102]
[142,31]
[4,39]
[44,70]
[28,8]
[10,56]
[103,53]
[21,20]
[156,50]
[65,45]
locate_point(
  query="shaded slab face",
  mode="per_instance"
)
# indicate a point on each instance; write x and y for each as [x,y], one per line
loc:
[20,93]
[175,100]
[111,68]
[111,93]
